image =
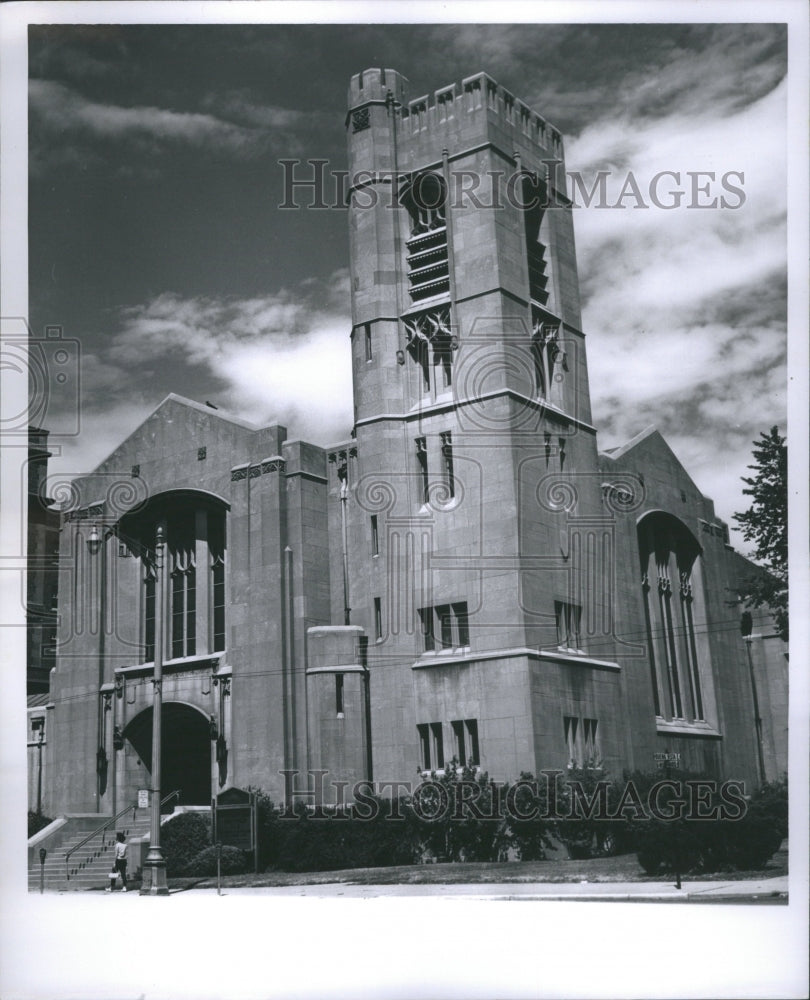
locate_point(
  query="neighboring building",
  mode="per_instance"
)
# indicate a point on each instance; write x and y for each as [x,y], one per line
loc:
[465,577]
[40,609]
[43,554]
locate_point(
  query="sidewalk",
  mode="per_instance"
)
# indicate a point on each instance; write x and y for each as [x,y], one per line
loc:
[770,890]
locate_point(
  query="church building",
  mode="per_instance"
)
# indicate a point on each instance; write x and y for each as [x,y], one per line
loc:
[465,577]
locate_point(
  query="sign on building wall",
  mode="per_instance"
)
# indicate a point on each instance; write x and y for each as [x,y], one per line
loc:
[143,798]
[667,759]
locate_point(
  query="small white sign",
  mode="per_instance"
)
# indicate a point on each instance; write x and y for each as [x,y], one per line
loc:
[143,798]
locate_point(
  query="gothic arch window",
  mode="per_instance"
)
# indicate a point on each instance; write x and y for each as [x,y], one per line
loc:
[424,196]
[431,343]
[534,199]
[194,559]
[671,585]
[548,356]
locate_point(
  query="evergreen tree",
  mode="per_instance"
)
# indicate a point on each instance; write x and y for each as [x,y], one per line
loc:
[765,524]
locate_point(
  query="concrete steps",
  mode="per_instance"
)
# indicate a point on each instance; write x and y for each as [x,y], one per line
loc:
[89,866]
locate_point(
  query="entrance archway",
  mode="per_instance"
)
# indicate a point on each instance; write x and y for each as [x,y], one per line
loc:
[185,752]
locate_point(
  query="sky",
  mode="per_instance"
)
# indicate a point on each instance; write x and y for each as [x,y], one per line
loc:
[157,244]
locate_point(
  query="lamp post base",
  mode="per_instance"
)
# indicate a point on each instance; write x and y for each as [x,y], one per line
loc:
[154,876]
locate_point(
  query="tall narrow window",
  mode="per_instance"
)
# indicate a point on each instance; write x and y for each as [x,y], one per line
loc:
[645,587]
[445,625]
[669,552]
[181,544]
[691,645]
[367,340]
[593,758]
[426,621]
[437,743]
[149,615]
[568,617]
[375,537]
[458,736]
[424,197]
[378,617]
[570,726]
[462,623]
[546,352]
[471,725]
[424,744]
[670,648]
[422,463]
[339,694]
[465,737]
[363,650]
[447,461]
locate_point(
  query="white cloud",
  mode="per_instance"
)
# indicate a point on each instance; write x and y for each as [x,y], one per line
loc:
[683,309]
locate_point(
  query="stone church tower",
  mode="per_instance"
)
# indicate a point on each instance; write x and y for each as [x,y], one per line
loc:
[475,514]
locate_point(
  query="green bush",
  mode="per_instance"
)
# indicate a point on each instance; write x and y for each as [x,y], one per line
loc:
[587,831]
[233,862]
[451,816]
[701,845]
[183,839]
[340,839]
[37,822]
[530,837]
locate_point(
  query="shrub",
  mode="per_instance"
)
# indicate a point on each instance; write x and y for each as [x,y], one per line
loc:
[452,817]
[37,822]
[587,798]
[233,862]
[182,839]
[692,845]
[530,837]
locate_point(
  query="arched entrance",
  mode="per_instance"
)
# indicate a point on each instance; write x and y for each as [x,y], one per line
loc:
[185,751]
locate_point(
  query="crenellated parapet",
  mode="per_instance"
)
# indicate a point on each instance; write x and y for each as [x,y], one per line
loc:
[475,95]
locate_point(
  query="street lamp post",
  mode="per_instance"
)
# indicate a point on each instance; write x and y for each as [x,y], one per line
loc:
[154,869]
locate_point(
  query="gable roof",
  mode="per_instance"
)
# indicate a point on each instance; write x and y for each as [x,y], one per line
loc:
[649,447]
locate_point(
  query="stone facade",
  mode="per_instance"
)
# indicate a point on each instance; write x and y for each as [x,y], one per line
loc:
[466,576]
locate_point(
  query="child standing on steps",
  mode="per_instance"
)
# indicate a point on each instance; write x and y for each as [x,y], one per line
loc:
[120,862]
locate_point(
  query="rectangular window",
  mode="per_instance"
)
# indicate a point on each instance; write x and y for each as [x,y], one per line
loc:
[445,625]
[218,587]
[339,694]
[458,736]
[149,619]
[462,624]
[216,554]
[437,743]
[191,612]
[424,745]
[378,617]
[447,459]
[178,614]
[465,734]
[363,650]
[593,757]
[422,463]
[570,726]
[426,621]
[375,536]
[471,726]
[367,339]
[567,617]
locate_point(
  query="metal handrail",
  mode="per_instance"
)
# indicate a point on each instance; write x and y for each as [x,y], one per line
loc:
[111,822]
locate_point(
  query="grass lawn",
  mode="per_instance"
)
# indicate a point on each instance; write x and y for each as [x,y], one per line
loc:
[622,868]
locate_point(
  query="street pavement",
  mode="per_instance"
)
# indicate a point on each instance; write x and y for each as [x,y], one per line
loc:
[763,890]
